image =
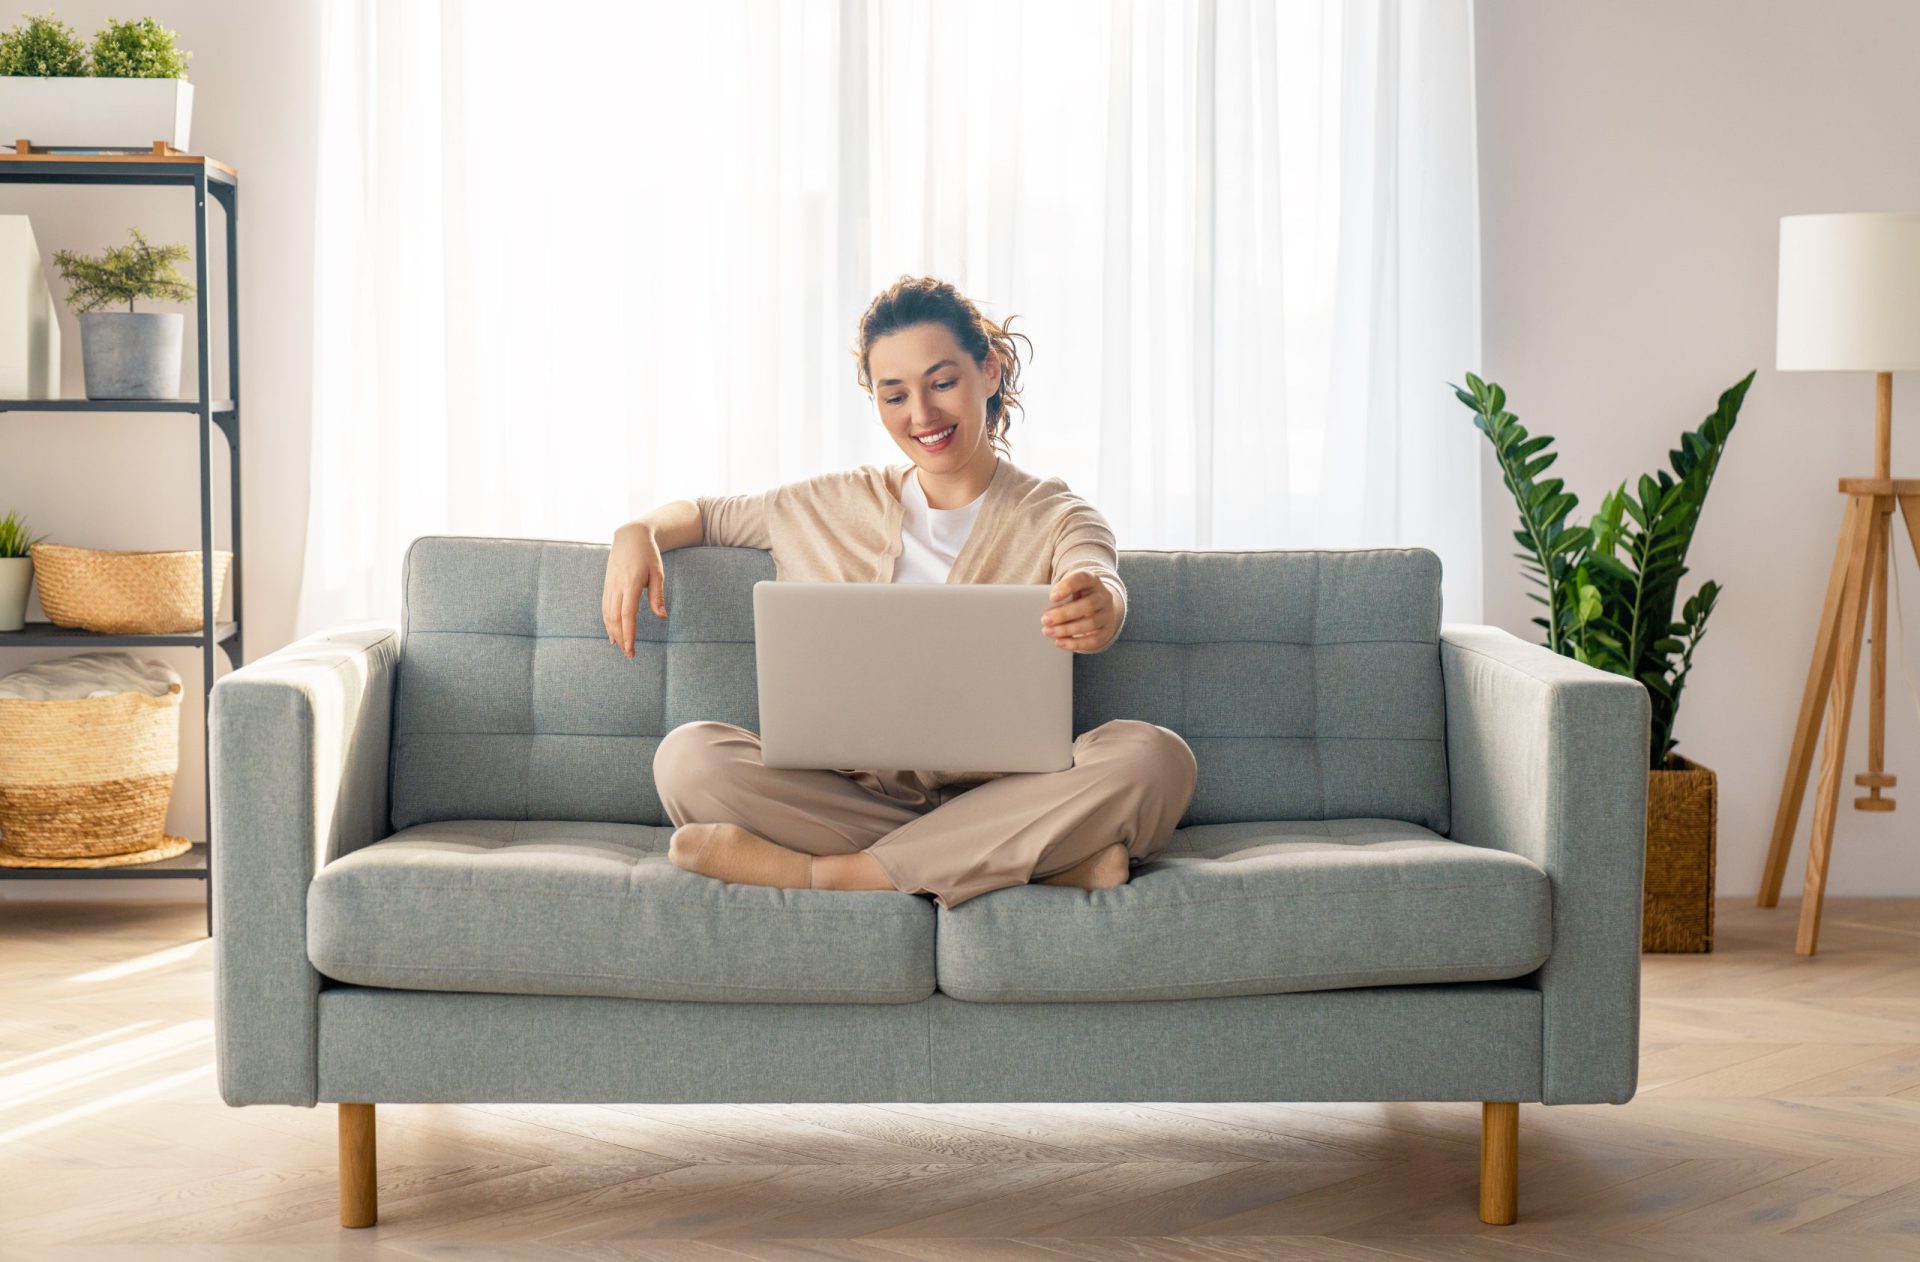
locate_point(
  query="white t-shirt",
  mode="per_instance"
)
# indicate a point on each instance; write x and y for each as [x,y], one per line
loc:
[930,538]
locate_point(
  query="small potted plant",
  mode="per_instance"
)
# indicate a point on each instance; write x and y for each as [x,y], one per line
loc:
[128,91]
[128,354]
[16,571]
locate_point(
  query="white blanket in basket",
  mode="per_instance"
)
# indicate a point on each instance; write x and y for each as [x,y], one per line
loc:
[99,674]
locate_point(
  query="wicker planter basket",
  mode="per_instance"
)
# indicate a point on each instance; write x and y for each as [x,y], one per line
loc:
[84,783]
[124,593]
[1681,807]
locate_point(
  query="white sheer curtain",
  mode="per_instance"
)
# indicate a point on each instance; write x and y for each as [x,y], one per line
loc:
[577,259]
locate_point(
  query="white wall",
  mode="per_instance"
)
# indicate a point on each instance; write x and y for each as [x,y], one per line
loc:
[131,481]
[1635,159]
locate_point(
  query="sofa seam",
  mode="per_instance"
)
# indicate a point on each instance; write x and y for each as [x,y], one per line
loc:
[1237,981]
[314,865]
[472,889]
[810,911]
[639,640]
[546,972]
[1286,897]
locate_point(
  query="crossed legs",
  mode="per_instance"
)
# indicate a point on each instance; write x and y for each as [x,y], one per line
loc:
[1117,804]
[728,852]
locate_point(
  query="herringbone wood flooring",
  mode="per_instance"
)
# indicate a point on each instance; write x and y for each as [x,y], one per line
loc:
[1778,1117]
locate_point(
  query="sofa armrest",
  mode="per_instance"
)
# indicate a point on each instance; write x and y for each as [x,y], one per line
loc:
[299,776]
[1547,758]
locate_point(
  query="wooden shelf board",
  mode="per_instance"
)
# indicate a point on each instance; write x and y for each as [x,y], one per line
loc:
[141,157]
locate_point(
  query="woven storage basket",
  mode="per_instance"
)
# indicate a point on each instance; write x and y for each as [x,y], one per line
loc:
[85,782]
[124,593]
[1680,850]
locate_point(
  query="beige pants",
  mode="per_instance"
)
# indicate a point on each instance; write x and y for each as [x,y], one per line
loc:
[952,835]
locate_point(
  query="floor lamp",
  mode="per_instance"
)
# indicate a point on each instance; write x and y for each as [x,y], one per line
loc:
[1849,301]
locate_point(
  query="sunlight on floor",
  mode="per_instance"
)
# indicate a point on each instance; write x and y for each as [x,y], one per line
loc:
[30,1057]
[130,1055]
[158,959]
[157,1087]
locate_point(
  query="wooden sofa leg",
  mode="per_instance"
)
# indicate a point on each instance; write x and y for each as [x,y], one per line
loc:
[1499,1162]
[359,1199]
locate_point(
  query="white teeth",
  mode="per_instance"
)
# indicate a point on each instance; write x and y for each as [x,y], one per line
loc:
[931,440]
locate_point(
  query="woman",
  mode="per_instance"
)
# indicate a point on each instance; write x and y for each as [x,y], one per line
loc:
[944,380]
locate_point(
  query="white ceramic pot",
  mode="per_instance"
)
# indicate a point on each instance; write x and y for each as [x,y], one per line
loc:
[87,113]
[16,575]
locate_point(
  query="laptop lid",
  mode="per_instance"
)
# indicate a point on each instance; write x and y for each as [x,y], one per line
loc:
[949,677]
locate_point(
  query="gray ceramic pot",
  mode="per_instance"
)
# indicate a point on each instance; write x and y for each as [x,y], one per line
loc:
[131,354]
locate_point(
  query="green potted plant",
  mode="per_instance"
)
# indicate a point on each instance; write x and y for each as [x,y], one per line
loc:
[128,91]
[16,571]
[1611,587]
[128,354]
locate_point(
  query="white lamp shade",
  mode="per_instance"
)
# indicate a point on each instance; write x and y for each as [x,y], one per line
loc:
[1849,293]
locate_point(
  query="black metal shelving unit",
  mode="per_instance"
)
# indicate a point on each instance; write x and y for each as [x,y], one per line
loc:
[204,177]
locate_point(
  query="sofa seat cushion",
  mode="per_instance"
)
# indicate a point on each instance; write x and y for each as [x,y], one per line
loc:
[1258,909]
[552,908]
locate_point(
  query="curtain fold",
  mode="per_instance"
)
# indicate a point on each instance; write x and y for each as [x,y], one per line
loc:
[573,264]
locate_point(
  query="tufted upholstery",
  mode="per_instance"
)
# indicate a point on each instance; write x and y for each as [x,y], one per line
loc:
[551,907]
[1258,909]
[1307,683]
[510,703]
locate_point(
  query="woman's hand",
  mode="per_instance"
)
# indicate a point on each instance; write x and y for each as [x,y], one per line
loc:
[1085,622]
[633,566]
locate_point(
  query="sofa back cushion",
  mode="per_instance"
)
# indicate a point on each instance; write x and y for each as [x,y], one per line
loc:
[510,703]
[1307,683]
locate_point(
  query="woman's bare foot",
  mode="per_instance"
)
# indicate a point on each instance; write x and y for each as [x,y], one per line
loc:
[728,852]
[856,871]
[1099,871]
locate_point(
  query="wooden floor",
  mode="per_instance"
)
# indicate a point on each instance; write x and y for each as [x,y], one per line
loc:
[1778,1117]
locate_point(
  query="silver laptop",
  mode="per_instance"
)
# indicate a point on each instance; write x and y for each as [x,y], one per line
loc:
[911,677]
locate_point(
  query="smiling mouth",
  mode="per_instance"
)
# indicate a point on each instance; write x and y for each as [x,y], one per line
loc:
[935,438]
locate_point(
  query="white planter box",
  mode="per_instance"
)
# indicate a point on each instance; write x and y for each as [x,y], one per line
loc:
[88,113]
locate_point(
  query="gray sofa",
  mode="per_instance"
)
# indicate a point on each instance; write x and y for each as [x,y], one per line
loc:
[1411,869]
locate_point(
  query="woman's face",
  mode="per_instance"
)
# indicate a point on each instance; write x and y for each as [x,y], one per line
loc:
[924,384]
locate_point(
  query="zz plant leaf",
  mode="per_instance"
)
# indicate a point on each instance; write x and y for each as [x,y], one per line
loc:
[1612,584]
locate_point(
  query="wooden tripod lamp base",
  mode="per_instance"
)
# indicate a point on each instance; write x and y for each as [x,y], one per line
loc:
[1849,302]
[1859,575]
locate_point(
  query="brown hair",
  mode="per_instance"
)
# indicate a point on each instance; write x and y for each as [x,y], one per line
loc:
[912,301]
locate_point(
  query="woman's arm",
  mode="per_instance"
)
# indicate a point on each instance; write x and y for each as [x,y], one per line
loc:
[634,568]
[674,525]
[1097,601]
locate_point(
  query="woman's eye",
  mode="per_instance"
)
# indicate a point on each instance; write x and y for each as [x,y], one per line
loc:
[941,385]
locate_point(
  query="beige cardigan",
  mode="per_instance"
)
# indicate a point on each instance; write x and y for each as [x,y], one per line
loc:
[845,527]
